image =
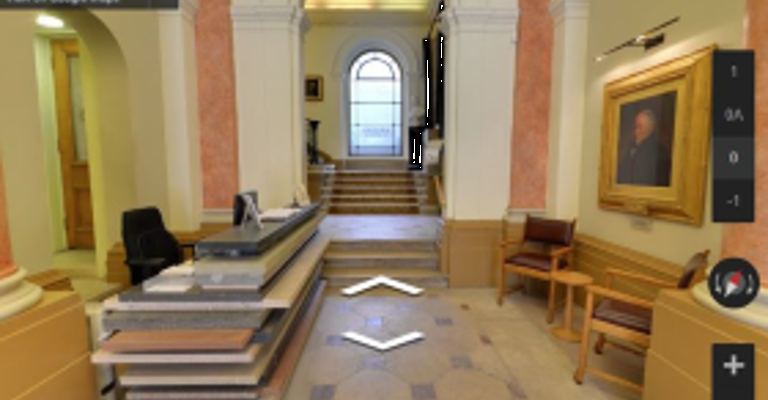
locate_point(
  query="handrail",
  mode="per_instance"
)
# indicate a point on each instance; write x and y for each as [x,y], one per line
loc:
[439,190]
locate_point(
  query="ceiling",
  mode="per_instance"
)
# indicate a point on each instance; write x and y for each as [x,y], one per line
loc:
[390,5]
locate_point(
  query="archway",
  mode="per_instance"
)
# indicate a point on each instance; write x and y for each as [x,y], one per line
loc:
[109,137]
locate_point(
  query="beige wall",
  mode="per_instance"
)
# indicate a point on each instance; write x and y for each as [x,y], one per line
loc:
[124,124]
[46,92]
[329,50]
[703,23]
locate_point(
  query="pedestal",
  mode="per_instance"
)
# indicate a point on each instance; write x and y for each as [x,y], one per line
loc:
[17,295]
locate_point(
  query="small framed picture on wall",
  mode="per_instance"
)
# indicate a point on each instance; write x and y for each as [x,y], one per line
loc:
[313,88]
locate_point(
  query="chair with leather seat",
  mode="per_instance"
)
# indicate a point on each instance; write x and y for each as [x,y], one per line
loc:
[625,316]
[545,248]
[149,246]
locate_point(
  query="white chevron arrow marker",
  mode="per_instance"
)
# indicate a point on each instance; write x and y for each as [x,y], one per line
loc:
[382,280]
[386,346]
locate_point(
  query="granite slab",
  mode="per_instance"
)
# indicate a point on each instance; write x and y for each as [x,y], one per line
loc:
[194,393]
[178,340]
[281,295]
[224,374]
[217,271]
[154,321]
[247,355]
[195,294]
[250,239]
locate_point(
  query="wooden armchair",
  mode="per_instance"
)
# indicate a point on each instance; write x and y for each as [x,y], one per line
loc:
[625,316]
[555,237]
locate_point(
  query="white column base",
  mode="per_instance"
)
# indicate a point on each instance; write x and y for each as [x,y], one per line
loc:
[755,314]
[17,295]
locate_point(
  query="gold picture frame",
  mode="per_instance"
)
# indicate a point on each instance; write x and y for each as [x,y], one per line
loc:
[655,140]
[313,88]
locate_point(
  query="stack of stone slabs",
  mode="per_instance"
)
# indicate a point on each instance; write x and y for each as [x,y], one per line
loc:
[189,344]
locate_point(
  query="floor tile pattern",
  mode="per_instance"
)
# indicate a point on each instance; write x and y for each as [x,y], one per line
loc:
[477,352]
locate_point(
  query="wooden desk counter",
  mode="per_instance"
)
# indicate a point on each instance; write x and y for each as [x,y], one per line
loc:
[44,351]
[679,364]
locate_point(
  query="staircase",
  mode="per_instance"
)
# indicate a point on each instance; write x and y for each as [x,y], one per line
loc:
[411,261]
[376,192]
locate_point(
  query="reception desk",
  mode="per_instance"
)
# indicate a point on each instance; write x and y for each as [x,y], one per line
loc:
[679,364]
[44,352]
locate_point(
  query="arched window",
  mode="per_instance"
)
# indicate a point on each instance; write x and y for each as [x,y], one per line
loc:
[375,106]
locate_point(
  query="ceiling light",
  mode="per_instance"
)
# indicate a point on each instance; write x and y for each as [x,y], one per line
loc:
[48,21]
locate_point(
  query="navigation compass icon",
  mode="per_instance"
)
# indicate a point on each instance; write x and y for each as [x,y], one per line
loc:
[734,283]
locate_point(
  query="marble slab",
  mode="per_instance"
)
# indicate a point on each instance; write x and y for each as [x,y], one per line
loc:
[222,270]
[194,294]
[192,375]
[248,355]
[151,321]
[192,393]
[250,240]
[280,295]
[221,375]
[178,340]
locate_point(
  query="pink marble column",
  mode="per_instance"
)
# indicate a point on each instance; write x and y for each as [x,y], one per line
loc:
[6,258]
[749,241]
[216,95]
[531,110]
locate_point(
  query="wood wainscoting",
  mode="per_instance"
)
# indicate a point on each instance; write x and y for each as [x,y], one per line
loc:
[593,255]
[117,271]
[469,252]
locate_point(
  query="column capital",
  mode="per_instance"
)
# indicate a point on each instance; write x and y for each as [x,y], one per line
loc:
[254,14]
[461,17]
[187,9]
[569,9]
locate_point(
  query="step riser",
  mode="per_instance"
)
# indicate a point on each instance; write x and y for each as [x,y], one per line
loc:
[374,210]
[374,175]
[371,182]
[418,282]
[372,246]
[388,263]
[374,200]
[370,191]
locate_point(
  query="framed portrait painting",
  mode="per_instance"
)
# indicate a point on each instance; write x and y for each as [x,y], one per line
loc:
[313,88]
[655,140]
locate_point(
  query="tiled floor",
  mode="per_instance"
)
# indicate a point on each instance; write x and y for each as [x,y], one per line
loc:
[473,350]
[381,227]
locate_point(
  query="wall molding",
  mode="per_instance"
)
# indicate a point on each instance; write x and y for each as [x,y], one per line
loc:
[562,9]
[488,19]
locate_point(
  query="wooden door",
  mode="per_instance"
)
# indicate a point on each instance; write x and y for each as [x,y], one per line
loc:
[73,149]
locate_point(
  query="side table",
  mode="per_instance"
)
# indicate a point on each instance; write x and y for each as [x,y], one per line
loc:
[570,279]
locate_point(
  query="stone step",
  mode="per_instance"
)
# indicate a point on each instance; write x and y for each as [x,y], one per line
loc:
[382,259]
[374,208]
[373,174]
[382,164]
[376,198]
[371,245]
[373,181]
[419,277]
[357,190]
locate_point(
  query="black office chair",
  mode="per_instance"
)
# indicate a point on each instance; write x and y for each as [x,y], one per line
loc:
[149,247]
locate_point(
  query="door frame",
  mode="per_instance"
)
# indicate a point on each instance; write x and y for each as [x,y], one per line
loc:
[77,237]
